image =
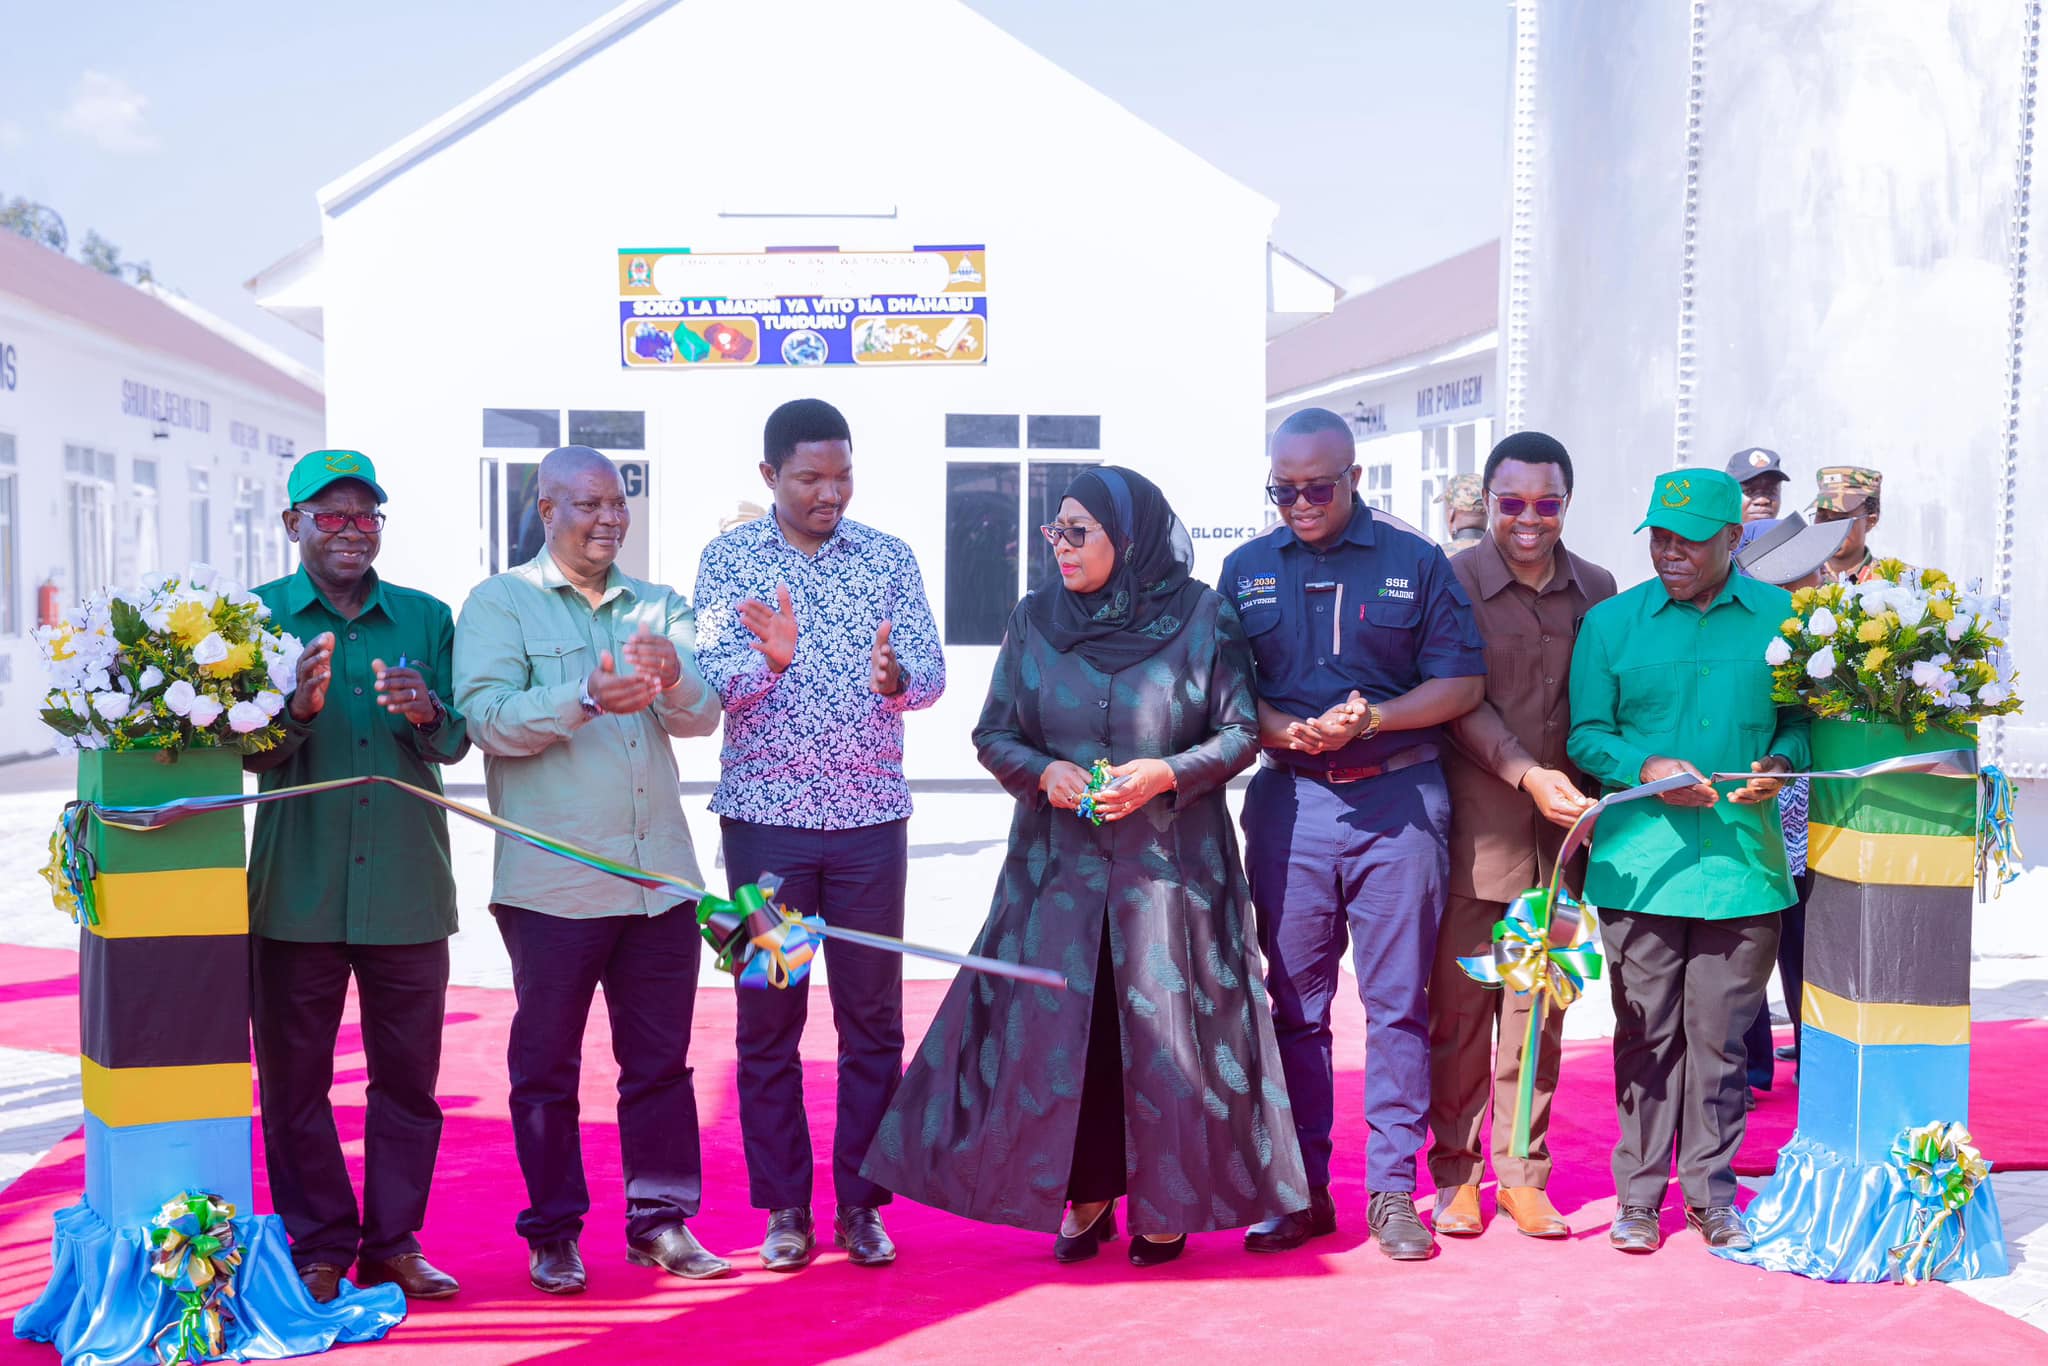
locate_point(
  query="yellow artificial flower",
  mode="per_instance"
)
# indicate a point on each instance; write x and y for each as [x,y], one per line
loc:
[239,657]
[1941,609]
[1872,630]
[1875,660]
[1934,578]
[1792,626]
[1801,600]
[191,623]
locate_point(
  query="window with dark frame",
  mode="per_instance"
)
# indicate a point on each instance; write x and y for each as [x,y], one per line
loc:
[620,430]
[984,508]
[525,428]
[1050,433]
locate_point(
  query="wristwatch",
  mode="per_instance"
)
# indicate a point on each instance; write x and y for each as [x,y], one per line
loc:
[589,703]
[1372,722]
[440,713]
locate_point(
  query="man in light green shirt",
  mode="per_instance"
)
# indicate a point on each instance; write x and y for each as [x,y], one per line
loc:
[1669,677]
[574,676]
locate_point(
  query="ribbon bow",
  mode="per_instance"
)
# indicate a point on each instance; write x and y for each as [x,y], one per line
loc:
[1943,1169]
[1547,943]
[192,1246]
[760,943]
[70,871]
[1998,840]
[1099,780]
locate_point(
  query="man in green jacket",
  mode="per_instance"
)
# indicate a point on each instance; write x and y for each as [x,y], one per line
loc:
[353,882]
[1669,677]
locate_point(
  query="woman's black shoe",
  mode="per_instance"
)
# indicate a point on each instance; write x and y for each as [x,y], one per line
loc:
[1145,1252]
[1089,1240]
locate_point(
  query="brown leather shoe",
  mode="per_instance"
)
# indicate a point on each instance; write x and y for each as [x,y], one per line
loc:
[419,1278]
[322,1281]
[1534,1215]
[1457,1212]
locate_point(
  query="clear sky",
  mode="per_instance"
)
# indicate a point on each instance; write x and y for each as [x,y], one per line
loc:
[193,135]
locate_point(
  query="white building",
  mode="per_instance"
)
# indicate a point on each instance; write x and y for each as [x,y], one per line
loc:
[511,278]
[1411,364]
[136,432]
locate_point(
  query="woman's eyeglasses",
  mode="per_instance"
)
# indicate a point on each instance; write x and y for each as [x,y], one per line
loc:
[1075,536]
[1512,506]
[369,523]
[1319,493]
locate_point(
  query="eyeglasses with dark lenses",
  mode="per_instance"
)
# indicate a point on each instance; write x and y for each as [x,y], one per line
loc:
[1318,493]
[1512,506]
[1075,536]
[369,523]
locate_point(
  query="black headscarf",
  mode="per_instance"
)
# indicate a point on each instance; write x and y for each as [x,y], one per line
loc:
[1149,596]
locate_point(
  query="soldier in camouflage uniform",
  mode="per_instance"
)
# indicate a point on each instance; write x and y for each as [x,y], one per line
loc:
[1464,513]
[1849,493]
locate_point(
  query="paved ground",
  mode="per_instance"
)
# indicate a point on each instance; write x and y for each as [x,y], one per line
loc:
[957,841]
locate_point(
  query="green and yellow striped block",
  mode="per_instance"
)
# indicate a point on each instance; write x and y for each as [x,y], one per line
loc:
[1901,830]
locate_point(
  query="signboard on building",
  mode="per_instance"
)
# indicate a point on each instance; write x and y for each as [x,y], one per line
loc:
[681,309]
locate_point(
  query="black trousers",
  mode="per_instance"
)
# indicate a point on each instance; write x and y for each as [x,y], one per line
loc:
[1685,992]
[648,965]
[853,878]
[296,1003]
[1792,977]
[1098,1171]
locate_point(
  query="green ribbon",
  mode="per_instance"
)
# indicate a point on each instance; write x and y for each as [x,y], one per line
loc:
[1943,1170]
[192,1246]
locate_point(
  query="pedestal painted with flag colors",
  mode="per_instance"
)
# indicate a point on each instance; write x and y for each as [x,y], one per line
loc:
[1885,1022]
[164,1068]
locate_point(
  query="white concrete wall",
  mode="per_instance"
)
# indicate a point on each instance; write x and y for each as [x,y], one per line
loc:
[1126,279]
[67,390]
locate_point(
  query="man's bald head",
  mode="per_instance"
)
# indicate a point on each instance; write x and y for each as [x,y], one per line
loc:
[561,467]
[582,504]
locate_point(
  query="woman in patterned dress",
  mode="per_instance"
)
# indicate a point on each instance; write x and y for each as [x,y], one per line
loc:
[1154,1076]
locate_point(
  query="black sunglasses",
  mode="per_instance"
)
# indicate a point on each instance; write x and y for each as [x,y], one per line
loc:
[1075,536]
[1319,493]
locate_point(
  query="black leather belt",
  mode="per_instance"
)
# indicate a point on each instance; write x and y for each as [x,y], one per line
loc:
[1337,777]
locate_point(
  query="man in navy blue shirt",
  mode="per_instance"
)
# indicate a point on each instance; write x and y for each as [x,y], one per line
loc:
[1365,645]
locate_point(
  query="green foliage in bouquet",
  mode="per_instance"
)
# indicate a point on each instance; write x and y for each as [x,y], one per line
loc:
[185,662]
[1906,646]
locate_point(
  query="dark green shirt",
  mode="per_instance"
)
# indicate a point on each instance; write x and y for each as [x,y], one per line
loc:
[1653,677]
[364,865]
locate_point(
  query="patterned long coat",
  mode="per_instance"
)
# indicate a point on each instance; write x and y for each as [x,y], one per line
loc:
[984,1123]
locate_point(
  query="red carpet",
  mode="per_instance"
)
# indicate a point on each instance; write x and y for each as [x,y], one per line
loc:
[963,1291]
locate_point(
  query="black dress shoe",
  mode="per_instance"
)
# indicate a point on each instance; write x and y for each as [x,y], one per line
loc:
[1089,1240]
[419,1278]
[322,1281]
[1720,1225]
[676,1250]
[1786,1052]
[858,1229]
[1145,1252]
[556,1267]
[787,1244]
[1635,1229]
[1290,1231]
[1395,1226]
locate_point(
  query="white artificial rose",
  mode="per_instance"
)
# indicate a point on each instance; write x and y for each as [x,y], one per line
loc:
[151,677]
[1822,662]
[284,676]
[205,711]
[1910,606]
[271,702]
[154,581]
[1957,627]
[92,739]
[199,575]
[211,650]
[158,617]
[1821,624]
[79,702]
[111,706]
[244,717]
[1992,694]
[180,696]
[1777,652]
[1926,673]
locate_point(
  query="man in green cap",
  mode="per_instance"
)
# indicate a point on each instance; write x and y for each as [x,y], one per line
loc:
[1669,678]
[1849,493]
[353,882]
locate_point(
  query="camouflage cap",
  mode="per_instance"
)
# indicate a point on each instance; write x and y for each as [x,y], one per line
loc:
[1845,488]
[1464,494]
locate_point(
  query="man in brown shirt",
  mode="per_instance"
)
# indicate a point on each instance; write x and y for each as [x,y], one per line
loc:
[1512,793]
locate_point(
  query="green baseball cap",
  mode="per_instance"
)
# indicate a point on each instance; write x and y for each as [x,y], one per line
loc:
[317,469]
[1694,503]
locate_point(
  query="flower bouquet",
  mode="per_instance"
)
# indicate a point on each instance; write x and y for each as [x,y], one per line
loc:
[183,663]
[1906,646]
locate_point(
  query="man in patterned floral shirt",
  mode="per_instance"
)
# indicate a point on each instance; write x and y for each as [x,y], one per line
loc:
[816,633]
